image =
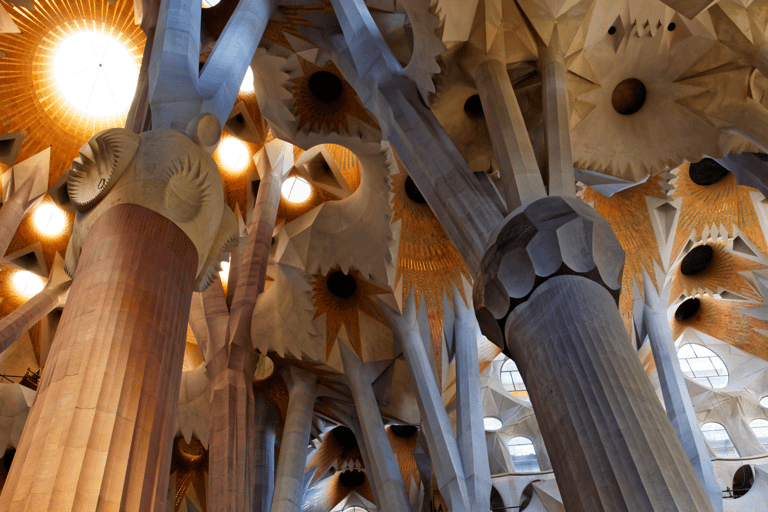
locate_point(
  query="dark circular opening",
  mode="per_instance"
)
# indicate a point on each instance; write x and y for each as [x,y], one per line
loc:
[8,458]
[687,309]
[697,260]
[404,430]
[273,241]
[345,437]
[341,285]
[671,27]
[707,172]
[612,30]
[629,96]
[473,107]
[743,480]
[325,86]
[352,478]
[412,191]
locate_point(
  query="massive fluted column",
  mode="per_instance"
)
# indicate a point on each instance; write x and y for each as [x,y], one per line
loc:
[264,436]
[294,446]
[152,224]
[676,398]
[546,293]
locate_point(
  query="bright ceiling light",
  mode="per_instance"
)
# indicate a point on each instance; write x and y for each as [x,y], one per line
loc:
[224,272]
[234,154]
[247,85]
[207,4]
[296,189]
[491,423]
[27,283]
[96,74]
[49,219]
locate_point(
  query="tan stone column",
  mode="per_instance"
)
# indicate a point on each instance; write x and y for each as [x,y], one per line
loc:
[546,294]
[289,481]
[99,435]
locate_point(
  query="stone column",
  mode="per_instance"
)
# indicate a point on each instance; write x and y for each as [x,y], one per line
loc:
[380,462]
[546,293]
[151,228]
[264,435]
[470,431]
[436,426]
[99,435]
[294,446]
[21,319]
[676,398]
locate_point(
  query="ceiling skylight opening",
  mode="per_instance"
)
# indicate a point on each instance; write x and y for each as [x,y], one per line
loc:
[296,189]
[224,273]
[96,74]
[247,85]
[207,4]
[234,154]
[49,219]
[764,402]
[492,423]
[27,283]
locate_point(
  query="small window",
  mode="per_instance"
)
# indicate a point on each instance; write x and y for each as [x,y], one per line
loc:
[355,508]
[719,440]
[764,402]
[702,366]
[523,455]
[760,428]
[512,380]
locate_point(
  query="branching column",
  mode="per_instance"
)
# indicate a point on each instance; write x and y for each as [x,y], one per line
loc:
[289,481]
[676,398]
[546,293]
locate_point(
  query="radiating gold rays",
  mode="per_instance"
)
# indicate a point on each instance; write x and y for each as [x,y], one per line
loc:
[403,449]
[628,215]
[293,15]
[721,319]
[721,274]
[427,260]
[331,114]
[724,203]
[331,452]
[345,311]
[30,96]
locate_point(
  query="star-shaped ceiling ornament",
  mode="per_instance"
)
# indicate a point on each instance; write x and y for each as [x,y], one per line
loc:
[724,203]
[189,468]
[341,298]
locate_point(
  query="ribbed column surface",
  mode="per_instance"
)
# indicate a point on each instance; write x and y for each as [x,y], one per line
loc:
[100,433]
[611,445]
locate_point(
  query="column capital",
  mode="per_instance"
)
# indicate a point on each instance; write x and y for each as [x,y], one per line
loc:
[169,172]
[549,237]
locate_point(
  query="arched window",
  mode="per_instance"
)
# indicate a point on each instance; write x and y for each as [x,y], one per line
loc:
[760,428]
[702,365]
[719,440]
[355,508]
[523,455]
[512,380]
[764,402]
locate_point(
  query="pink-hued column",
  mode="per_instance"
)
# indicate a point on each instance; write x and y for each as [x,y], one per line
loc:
[99,434]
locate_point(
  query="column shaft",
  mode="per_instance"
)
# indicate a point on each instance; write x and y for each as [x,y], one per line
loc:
[21,319]
[470,431]
[100,433]
[12,213]
[521,181]
[380,463]
[289,480]
[265,433]
[678,401]
[610,443]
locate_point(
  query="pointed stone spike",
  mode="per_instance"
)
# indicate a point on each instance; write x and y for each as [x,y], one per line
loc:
[10,143]
[7,26]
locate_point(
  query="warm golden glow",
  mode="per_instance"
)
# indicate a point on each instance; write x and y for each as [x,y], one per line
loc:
[233,154]
[27,283]
[49,219]
[296,189]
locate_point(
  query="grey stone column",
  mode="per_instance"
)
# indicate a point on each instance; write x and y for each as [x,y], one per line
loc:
[380,462]
[676,398]
[264,452]
[289,481]
[546,293]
